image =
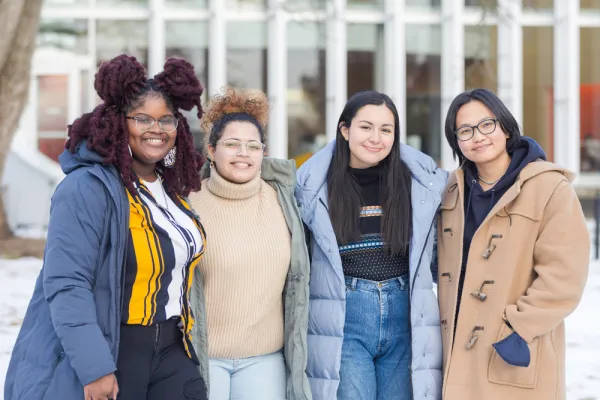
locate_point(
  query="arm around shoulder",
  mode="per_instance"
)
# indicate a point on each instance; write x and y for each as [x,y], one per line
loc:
[561,261]
[77,220]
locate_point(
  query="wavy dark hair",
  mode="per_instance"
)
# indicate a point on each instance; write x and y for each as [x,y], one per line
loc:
[395,182]
[507,121]
[122,84]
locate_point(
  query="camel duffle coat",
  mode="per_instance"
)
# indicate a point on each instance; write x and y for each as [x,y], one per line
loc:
[530,257]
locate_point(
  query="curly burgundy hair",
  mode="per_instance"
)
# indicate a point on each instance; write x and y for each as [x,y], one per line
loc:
[123,85]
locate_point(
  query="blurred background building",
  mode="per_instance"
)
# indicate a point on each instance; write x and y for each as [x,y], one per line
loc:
[309,56]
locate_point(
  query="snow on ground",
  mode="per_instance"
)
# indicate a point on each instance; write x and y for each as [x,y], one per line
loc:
[583,340]
[17,279]
[583,326]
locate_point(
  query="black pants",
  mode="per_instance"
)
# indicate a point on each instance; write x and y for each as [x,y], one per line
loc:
[153,365]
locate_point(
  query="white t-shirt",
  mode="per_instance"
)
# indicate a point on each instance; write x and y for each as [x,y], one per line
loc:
[185,237]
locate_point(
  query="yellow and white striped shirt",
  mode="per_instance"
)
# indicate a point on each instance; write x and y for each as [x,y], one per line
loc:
[165,245]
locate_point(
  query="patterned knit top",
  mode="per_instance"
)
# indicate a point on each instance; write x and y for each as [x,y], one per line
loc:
[367,258]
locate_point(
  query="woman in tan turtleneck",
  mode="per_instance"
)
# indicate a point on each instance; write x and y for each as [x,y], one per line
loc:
[248,259]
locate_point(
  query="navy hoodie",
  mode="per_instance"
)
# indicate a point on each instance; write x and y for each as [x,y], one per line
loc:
[478,203]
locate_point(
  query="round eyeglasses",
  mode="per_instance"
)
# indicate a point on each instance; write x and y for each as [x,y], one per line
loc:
[144,123]
[234,146]
[486,127]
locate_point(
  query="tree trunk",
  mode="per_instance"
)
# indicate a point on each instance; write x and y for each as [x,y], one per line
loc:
[19,21]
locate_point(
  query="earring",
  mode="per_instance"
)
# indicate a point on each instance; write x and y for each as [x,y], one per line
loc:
[130,152]
[170,158]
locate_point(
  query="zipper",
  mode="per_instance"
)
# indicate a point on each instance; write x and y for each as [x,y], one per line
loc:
[324,205]
[435,215]
[156,339]
[123,236]
[121,298]
[423,251]
[124,264]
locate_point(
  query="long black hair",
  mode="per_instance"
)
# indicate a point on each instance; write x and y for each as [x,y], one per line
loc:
[507,121]
[395,180]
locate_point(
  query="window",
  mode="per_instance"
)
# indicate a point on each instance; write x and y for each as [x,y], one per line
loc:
[423,3]
[245,5]
[306,89]
[63,34]
[486,4]
[247,55]
[538,4]
[118,37]
[369,5]
[589,92]
[481,57]
[538,86]
[187,3]
[143,3]
[365,58]
[423,96]
[196,52]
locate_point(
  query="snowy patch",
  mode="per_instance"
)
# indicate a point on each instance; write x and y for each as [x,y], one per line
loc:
[583,340]
[16,287]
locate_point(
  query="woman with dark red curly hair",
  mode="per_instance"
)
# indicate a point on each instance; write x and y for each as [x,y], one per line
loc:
[110,313]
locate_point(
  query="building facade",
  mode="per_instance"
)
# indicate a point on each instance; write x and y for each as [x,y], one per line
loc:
[309,56]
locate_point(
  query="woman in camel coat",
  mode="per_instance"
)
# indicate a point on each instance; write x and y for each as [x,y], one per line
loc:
[513,257]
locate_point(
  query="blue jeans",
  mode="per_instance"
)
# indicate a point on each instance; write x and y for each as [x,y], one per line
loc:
[376,352]
[253,378]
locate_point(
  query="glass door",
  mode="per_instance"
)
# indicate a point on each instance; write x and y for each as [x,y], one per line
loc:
[58,95]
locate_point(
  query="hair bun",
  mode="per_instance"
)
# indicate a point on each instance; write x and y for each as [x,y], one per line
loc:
[253,103]
[180,82]
[119,80]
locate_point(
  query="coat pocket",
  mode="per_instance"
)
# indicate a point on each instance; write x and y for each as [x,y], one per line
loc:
[503,373]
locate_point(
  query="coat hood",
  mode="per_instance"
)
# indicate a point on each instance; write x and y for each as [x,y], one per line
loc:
[527,151]
[480,202]
[537,168]
[82,157]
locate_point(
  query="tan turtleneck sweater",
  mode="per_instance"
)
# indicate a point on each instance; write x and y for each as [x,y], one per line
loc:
[244,267]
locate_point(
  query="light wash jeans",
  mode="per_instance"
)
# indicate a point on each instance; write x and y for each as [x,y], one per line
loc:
[376,352]
[254,378]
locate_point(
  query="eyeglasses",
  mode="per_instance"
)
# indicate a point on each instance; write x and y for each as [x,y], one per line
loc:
[486,127]
[234,146]
[144,123]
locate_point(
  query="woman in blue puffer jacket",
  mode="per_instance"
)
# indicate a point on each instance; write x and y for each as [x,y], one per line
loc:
[110,313]
[369,204]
